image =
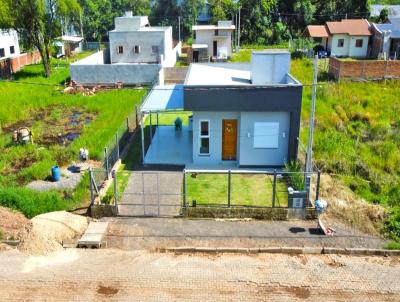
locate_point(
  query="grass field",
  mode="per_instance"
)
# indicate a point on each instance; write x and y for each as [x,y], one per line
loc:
[357,134]
[61,125]
[246,190]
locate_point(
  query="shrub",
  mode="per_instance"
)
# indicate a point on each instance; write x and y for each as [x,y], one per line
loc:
[392,246]
[392,225]
[296,179]
[1,235]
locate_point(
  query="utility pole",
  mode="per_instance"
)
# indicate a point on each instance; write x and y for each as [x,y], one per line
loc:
[239,30]
[312,117]
[179,28]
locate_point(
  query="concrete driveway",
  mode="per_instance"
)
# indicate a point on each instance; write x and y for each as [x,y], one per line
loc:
[152,233]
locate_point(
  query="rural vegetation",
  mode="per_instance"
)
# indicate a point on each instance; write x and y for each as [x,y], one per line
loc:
[61,125]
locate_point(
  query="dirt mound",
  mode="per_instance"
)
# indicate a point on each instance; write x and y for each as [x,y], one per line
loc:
[346,208]
[45,233]
[11,223]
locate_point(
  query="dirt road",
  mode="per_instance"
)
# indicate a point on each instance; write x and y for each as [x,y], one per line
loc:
[88,275]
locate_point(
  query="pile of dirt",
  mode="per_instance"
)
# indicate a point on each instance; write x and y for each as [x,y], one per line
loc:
[345,207]
[11,223]
[45,233]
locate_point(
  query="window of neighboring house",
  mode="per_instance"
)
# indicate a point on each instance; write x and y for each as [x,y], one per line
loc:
[120,50]
[12,50]
[340,43]
[137,49]
[154,49]
[359,43]
[216,32]
[204,137]
[2,53]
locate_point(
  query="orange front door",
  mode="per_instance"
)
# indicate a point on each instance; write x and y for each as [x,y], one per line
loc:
[229,139]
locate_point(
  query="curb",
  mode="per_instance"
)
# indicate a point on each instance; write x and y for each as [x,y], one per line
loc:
[286,250]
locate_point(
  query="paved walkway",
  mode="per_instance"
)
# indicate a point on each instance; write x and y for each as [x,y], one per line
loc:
[151,193]
[152,233]
[100,275]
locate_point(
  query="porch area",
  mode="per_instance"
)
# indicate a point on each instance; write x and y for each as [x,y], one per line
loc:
[170,146]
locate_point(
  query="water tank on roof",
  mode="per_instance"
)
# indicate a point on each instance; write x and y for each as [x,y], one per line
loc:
[270,66]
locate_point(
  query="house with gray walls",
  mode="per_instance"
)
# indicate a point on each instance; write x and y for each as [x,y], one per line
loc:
[386,39]
[242,115]
[136,55]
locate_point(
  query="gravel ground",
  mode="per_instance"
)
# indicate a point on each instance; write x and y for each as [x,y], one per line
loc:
[69,180]
[100,275]
[153,233]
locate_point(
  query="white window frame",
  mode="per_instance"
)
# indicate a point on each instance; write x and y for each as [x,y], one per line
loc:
[340,46]
[138,49]
[204,136]
[120,49]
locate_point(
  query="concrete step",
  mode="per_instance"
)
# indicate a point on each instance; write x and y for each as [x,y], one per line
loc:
[93,237]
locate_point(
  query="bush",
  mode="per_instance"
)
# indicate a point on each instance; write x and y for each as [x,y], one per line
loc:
[392,246]
[32,203]
[392,224]
[296,179]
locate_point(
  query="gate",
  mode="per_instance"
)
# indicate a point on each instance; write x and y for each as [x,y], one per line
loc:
[148,193]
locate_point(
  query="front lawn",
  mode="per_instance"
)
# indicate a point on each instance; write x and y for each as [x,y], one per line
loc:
[61,125]
[246,190]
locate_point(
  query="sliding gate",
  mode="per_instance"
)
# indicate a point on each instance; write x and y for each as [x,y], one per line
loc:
[148,193]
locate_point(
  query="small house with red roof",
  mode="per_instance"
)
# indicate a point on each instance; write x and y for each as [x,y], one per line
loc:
[345,38]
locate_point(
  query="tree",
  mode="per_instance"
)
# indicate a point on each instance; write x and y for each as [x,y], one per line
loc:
[189,10]
[38,22]
[257,21]
[222,10]
[383,15]
[305,13]
[165,13]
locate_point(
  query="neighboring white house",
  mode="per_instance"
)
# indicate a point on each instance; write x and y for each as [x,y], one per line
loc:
[386,39]
[68,45]
[9,45]
[218,39]
[134,41]
[137,55]
[345,38]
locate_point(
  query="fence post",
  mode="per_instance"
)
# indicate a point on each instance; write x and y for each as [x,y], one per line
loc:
[136,116]
[114,176]
[229,188]
[274,190]
[318,183]
[91,186]
[184,188]
[106,160]
[127,124]
[117,144]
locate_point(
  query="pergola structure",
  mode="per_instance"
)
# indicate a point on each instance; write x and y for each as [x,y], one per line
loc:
[161,99]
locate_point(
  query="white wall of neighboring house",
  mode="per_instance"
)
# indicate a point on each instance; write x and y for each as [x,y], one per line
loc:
[224,40]
[8,39]
[349,48]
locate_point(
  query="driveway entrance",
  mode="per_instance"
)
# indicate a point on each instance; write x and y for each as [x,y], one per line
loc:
[150,193]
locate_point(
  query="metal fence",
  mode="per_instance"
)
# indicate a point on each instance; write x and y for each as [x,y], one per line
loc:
[250,188]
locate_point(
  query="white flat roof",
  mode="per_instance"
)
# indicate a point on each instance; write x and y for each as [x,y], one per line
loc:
[197,46]
[164,97]
[212,27]
[218,74]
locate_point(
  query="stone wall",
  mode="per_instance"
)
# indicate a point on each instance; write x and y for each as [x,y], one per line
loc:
[12,65]
[364,69]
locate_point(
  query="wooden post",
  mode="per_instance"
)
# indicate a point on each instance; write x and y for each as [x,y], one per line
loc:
[127,124]
[117,144]
[106,160]
[136,116]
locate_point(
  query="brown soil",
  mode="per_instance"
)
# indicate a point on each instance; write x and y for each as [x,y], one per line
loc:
[346,208]
[12,223]
[107,290]
[56,131]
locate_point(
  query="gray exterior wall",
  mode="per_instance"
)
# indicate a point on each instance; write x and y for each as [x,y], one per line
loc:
[128,40]
[251,156]
[93,71]
[247,155]
[215,119]
[269,100]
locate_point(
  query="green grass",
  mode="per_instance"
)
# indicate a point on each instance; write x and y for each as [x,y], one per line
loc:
[392,246]
[38,102]
[357,134]
[247,190]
